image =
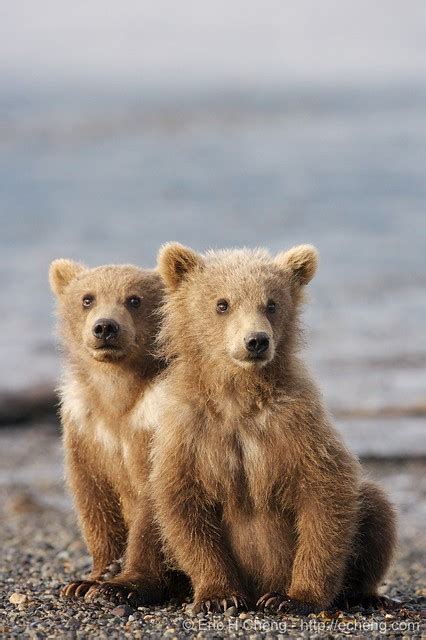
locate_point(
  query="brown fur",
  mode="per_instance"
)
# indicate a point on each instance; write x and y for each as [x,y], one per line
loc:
[254,490]
[105,399]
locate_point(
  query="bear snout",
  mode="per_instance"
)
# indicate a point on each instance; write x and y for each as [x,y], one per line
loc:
[257,343]
[106,329]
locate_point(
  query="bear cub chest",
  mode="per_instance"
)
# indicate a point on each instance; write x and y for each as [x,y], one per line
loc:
[241,468]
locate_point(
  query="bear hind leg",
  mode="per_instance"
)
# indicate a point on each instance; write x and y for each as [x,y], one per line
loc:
[373,547]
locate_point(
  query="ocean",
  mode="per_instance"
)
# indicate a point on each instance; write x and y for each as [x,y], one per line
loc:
[107,176]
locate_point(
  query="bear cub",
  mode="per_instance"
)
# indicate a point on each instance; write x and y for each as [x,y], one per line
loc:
[257,497]
[108,326]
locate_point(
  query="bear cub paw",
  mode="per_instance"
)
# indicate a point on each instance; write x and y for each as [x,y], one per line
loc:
[132,593]
[366,601]
[276,602]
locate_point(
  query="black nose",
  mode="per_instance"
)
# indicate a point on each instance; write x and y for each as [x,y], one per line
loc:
[105,329]
[257,342]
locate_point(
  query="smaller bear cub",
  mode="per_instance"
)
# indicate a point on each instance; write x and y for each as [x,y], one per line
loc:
[107,322]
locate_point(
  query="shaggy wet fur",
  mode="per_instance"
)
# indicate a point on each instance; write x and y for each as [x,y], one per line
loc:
[106,395]
[256,496]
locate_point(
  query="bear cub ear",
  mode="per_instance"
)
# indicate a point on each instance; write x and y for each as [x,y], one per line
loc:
[301,260]
[61,272]
[175,262]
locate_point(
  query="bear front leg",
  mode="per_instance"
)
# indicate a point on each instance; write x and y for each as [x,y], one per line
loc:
[326,516]
[326,521]
[100,517]
[191,527]
[143,579]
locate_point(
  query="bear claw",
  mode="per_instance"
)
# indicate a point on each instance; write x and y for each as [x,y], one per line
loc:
[77,588]
[381,602]
[219,605]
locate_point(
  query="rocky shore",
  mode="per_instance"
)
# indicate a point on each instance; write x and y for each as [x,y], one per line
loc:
[42,549]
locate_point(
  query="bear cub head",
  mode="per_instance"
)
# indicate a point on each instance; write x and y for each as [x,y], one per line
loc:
[106,314]
[233,309]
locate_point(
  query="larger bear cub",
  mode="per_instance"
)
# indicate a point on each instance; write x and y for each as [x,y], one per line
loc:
[256,495]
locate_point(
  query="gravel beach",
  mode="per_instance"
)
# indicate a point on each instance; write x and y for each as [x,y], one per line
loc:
[42,549]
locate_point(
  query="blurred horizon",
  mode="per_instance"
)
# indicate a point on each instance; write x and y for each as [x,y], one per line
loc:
[198,43]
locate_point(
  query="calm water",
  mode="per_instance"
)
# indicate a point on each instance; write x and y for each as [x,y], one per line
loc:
[108,178]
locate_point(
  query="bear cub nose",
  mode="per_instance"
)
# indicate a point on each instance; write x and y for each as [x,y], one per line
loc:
[105,329]
[257,343]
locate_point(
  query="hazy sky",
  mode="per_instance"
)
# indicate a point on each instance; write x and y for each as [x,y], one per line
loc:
[185,41]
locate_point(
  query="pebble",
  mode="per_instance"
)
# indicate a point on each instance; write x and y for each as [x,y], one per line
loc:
[122,611]
[18,598]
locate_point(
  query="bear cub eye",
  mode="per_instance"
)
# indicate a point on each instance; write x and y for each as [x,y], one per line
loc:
[134,301]
[271,307]
[222,306]
[88,301]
